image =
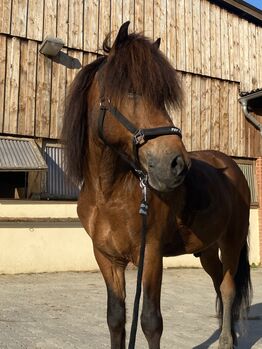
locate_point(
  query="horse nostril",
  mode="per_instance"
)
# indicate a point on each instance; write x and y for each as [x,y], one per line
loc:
[174,163]
[178,166]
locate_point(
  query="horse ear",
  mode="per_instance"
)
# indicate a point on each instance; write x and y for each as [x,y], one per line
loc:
[122,34]
[157,43]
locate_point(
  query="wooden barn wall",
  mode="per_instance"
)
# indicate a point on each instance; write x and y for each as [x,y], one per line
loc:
[216,53]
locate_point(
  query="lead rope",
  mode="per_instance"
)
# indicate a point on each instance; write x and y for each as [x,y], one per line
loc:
[143,211]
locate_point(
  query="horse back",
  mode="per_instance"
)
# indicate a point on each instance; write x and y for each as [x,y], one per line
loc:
[225,171]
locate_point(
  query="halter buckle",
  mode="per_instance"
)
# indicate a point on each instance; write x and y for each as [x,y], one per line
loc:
[139,137]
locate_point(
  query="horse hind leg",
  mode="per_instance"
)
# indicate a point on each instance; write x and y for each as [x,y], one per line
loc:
[116,313]
[212,265]
[235,291]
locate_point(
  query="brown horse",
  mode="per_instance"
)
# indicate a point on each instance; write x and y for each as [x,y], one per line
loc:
[117,129]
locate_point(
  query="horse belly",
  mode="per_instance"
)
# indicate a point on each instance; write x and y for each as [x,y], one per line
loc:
[182,241]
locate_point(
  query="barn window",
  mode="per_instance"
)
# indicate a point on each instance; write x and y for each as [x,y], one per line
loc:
[247,166]
[21,163]
[57,185]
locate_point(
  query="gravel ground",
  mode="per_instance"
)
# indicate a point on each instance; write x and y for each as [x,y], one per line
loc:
[67,310]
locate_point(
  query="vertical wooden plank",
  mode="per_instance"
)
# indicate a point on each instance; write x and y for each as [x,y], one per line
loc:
[259,54]
[215,31]
[27,90]
[231,46]
[128,7]
[91,26]
[12,85]
[196,111]
[43,96]
[253,56]
[62,20]
[3,54]
[244,56]
[149,18]
[35,19]
[160,30]
[233,125]
[104,21]
[223,114]
[215,112]
[176,114]
[171,32]
[5,18]
[116,15]
[224,45]
[57,99]
[19,18]
[197,67]
[205,108]
[181,40]
[205,37]
[75,29]
[189,36]
[241,131]
[139,16]
[236,48]
[50,17]
[71,73]
[187,111]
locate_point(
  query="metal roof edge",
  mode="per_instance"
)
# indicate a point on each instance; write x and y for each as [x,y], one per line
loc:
[242,9]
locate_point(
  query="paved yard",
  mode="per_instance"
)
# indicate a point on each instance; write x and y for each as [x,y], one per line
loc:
[67,310]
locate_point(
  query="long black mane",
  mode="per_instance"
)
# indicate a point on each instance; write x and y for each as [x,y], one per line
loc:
[137,66]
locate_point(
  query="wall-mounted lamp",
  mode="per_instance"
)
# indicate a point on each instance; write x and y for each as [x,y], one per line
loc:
[51,46]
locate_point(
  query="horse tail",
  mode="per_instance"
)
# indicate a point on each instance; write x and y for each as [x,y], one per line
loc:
[75,123]
[243,286]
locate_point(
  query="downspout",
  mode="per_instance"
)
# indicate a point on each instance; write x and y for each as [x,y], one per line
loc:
[249,116]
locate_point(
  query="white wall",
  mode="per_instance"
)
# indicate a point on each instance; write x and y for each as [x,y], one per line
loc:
[50,246]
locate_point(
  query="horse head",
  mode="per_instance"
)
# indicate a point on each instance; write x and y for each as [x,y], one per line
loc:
[137,86]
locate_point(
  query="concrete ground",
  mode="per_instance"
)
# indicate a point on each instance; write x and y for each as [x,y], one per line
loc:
[67,310]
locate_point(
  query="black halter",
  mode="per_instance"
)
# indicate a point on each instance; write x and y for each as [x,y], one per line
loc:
[140,136]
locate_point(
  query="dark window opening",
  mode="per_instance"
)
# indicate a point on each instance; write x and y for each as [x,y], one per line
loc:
[13,185]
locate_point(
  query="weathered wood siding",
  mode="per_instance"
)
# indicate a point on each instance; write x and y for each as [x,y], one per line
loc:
[216,53]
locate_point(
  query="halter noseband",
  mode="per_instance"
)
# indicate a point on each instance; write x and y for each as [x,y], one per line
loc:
[140,136]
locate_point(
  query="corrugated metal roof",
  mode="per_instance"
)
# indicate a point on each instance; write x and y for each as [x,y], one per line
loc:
[18,154]
[58,185]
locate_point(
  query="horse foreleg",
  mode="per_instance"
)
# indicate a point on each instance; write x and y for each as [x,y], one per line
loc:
[114,276]
[151,318]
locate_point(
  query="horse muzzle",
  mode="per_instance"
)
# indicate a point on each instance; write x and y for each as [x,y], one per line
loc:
[168,172]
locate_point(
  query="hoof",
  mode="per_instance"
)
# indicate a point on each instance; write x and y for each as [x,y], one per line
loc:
[226,342]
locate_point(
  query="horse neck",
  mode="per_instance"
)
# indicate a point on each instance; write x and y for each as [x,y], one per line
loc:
[107,173]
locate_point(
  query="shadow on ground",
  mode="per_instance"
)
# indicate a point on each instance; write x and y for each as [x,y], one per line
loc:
[252,331]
